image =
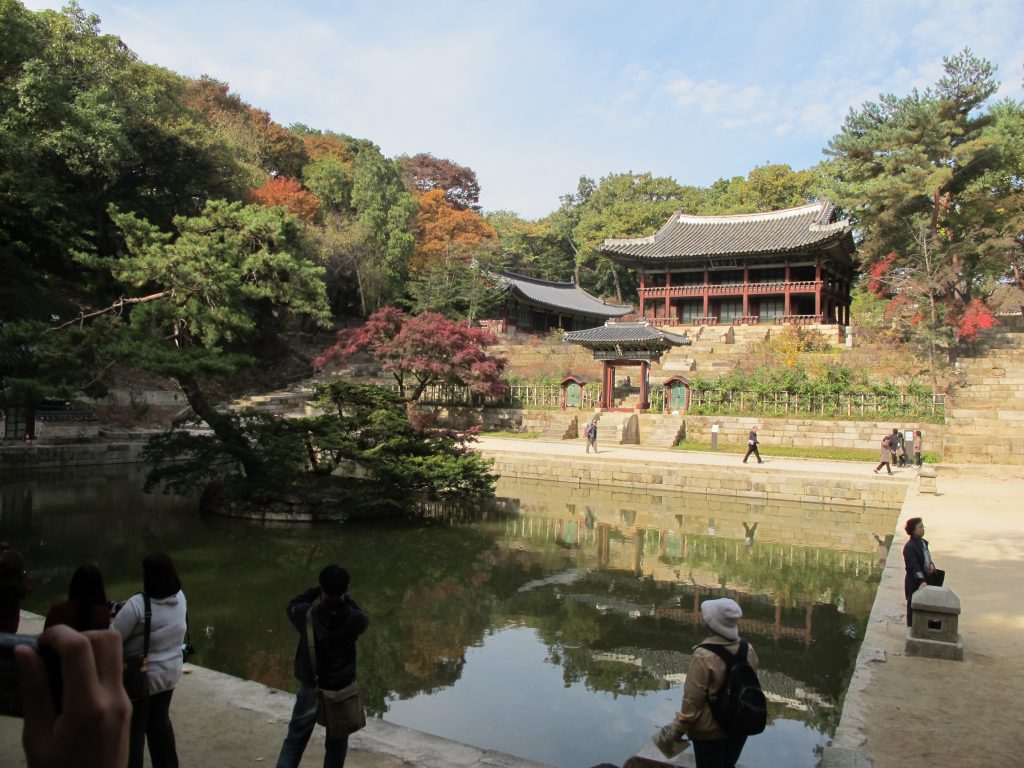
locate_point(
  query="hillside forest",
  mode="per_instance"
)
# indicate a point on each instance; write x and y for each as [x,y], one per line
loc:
[159,218]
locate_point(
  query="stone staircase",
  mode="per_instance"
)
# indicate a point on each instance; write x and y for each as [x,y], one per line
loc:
[985,422]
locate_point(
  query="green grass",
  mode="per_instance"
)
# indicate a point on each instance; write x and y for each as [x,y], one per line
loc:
[837,454]
[516,435]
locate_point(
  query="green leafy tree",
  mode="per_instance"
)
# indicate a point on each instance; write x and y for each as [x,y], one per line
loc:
[933,180]
[204,297]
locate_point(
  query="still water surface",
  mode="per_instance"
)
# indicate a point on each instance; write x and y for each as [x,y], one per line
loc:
[555,624]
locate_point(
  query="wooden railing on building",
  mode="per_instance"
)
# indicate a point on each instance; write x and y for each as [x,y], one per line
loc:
[721,289]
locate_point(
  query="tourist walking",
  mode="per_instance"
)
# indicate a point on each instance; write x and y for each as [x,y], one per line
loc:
[918,442]
[752,443]
[885,455]
[917,558]
[163,600]
[14,587]
[713,747]
[591,433]
[86,607]
[337,623]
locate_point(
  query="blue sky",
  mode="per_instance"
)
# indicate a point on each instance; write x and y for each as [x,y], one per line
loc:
[532,95]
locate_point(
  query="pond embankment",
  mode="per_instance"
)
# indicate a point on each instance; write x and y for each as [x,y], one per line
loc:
[822,483]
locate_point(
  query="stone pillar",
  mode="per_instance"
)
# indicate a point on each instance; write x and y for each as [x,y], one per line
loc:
[934,631]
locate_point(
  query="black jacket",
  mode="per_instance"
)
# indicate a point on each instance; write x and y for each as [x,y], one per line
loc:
[337,624]
[913,559]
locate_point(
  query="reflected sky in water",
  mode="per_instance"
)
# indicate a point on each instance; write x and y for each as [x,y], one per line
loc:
[556,623]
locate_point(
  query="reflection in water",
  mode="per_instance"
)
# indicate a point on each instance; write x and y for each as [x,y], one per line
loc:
[556,623]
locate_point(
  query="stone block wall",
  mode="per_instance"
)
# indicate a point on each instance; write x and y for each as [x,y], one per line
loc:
[653,477]
[813,433]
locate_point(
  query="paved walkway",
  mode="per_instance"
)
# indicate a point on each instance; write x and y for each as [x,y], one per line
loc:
[902,712]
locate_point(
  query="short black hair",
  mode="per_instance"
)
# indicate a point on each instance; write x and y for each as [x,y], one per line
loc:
[334,580]
[159,579]
[912,523]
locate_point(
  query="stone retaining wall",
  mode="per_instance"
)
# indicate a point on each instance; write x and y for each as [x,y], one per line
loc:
[39,456]
[759,483]
[812,433]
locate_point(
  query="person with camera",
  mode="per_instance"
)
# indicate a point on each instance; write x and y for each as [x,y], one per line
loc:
[337,623]
[152,624]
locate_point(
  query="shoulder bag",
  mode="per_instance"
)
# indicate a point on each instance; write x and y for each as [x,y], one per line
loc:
[136,675]
[340,711]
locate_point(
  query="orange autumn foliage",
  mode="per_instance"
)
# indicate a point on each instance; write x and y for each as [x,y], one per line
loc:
[289,194]
[439,225]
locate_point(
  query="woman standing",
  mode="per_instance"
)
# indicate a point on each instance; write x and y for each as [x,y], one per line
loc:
[86,607]
[917,447]
[917,558]
[151,714]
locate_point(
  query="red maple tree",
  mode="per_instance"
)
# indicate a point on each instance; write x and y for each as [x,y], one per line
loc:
[423,350]
[975,317]
[286,192]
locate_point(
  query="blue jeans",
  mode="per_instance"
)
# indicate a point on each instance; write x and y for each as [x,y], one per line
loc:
[301,728]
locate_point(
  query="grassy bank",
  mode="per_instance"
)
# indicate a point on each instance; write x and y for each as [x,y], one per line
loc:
[513,435]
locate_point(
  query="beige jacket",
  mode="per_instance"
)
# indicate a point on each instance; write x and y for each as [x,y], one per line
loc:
[704,678]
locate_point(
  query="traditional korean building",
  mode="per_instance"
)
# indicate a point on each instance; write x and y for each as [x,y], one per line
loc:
[794,266]
[537,306]
[617,345]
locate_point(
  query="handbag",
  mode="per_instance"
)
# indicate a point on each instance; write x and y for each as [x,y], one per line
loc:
[340,711]
[136,675]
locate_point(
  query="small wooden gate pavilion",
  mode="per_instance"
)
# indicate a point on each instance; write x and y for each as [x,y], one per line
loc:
[617,345]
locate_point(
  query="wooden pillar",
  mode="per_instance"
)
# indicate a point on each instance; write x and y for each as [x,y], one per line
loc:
[817,290]
[668,290]
[786,309]
[746,290]
[705,313]
[645,375]
[609,385]
[643,284]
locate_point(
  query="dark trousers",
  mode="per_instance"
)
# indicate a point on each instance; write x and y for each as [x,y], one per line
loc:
[300,728]
[151,720]
[917,458]
[885,464]
[718,753]
[752,449]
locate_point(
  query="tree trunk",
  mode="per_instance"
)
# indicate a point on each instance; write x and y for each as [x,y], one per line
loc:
[231,439]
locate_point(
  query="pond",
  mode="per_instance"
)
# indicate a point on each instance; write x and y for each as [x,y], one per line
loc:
[556,623]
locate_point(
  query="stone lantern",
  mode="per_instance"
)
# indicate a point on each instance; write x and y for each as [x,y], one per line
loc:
[934,630]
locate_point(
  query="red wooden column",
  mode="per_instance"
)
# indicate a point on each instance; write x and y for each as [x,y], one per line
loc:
[668,290]
[608,385]
[786,310]
[645,378]
[643,284]
[705,313]
[817,290]
[746,290]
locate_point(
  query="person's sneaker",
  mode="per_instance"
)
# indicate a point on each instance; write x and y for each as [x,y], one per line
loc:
[875,471]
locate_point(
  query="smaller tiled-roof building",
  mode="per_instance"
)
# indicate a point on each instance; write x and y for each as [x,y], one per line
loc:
[532,305]
[790,266]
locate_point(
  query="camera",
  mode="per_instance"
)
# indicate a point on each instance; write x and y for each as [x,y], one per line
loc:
[10,685]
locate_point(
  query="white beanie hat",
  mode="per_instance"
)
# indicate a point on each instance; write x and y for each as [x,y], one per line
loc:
[723,616]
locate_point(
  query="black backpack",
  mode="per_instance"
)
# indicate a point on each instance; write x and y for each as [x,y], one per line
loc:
[739,708]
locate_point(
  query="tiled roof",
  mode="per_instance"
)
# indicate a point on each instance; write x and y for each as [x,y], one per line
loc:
[685,236]
[567,297]
[624,333]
